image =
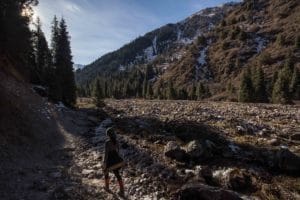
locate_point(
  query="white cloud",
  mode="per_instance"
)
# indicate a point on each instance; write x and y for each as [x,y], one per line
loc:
[70,6]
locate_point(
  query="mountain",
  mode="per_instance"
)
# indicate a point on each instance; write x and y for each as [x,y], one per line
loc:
[257,33]
[211,48]
[167,42]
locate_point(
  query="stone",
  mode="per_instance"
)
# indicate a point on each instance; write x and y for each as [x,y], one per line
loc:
[173,150]
[264,132]
[239,180]
[288,161]
[194,149]
[233,178]
[295,136]
[241,130]
[87,172]
[195,191]
[274,142]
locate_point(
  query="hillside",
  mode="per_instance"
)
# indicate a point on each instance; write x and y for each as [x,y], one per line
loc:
[258,33]
[162,46]
[213,46]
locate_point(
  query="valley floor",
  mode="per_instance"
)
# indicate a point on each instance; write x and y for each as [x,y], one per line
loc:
[244,151]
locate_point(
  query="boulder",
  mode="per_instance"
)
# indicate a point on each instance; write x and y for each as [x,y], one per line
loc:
[240,180]
[194,149]
[274,142]
[287,161]
[195,191]
[173,150]
[233,178]
[200,151]
[241,130]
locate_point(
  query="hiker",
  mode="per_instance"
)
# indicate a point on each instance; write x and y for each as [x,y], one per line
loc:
[112,160]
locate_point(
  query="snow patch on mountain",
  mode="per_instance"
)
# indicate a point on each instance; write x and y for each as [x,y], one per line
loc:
[202,57]
[149,53]
[202,71]
[179,33]
[186,41]
[261,43]
[210,26]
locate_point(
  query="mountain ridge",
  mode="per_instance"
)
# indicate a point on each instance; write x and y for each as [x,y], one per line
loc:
[156,42]
[212,47]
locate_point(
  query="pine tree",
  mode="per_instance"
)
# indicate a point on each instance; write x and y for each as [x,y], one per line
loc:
[207,92]
[274,78]
[64,66]
[55,91]
[290,63]
[295,84]
[126,90]
[42,56]
[193,94]
[182,94]
[15,35]
[158,89]
[280,40]
[170,93]
[106,94]
[259,85]
[281,92]
[97,93]
[201,92]
[54,39]
[145,86]
[230,88]
[149,91]
[246,88]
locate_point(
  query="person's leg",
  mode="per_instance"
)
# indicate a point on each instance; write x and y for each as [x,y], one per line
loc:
[120,181]
[106,177]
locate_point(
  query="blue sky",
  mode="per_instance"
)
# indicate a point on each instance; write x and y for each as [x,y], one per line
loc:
[97,27]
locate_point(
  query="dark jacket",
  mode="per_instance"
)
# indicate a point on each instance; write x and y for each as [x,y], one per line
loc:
[112,160]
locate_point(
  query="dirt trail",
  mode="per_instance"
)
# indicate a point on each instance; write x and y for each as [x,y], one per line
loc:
[86,168]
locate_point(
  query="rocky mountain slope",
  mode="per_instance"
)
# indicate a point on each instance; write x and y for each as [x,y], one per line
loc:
[162,46]
[212,46]
[257,33]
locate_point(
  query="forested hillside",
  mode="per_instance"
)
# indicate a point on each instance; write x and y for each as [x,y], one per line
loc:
[206,55]
[155,52]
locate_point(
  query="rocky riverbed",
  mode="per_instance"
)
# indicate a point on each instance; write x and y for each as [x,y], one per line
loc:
[248,151]
[173,150]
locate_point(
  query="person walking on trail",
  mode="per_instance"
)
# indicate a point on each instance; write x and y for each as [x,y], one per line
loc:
[112,162]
